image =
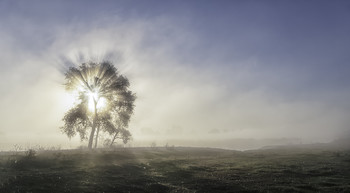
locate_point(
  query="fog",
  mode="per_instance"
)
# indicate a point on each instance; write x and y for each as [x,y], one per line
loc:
[202,76]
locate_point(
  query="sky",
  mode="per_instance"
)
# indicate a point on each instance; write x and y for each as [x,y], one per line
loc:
[201,70]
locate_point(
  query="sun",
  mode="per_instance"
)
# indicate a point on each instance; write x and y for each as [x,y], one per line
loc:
[94,97]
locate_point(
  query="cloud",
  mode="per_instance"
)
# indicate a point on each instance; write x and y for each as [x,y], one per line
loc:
[214,131]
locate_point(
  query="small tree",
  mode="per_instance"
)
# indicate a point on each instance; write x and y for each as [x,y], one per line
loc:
[104,102]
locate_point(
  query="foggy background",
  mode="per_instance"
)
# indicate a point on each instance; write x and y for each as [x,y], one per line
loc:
[232,74]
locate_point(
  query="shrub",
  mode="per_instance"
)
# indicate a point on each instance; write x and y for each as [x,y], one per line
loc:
[31,153]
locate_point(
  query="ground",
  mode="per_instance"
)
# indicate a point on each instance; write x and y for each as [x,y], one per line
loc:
[175,170]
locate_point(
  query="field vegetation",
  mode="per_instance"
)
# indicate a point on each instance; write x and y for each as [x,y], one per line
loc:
[175,169]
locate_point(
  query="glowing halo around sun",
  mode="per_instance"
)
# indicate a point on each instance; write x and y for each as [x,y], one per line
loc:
[92,97]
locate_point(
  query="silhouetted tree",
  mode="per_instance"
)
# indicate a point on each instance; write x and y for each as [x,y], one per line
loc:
[105,102]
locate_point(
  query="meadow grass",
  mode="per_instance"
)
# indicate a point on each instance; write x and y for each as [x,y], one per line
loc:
[176,170]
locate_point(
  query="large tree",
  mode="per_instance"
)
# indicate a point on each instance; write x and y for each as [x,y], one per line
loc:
[104,102]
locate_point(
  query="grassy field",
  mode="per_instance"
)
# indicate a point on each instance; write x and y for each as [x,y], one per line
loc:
[176,170]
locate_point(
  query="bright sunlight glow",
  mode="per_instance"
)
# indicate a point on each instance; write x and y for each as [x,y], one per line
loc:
[101,103]
[93,96]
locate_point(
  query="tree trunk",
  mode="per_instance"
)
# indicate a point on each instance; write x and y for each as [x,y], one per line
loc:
[92,134]
[91,139]
[96,138]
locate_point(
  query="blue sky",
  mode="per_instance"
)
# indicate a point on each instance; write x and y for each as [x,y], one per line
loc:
[244,69]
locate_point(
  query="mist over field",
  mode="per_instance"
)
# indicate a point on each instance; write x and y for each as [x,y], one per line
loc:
[228,74]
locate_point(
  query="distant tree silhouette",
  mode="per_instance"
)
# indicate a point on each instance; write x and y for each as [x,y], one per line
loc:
[104,102]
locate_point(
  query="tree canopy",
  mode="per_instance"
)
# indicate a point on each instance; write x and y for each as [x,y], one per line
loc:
[104,102]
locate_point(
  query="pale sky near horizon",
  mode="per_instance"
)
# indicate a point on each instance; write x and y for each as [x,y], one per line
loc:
[203,70]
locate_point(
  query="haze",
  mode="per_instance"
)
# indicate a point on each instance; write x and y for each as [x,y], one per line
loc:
[205,72]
